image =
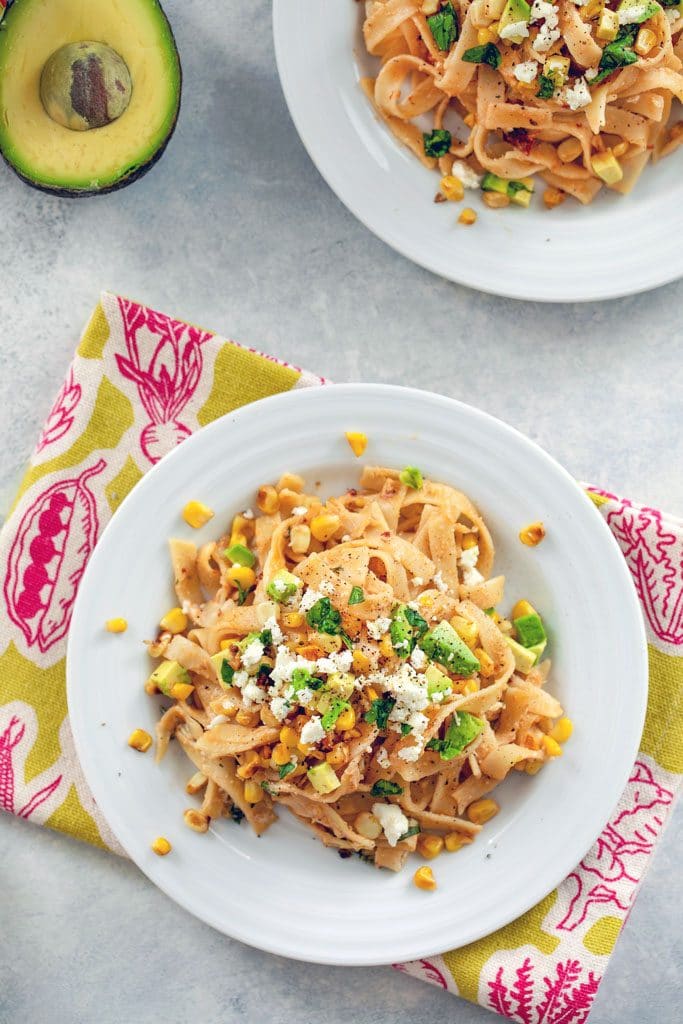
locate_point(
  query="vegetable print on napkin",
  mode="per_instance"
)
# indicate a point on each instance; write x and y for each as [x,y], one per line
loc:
[139,384]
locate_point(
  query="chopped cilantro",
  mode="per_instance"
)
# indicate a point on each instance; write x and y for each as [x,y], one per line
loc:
[346,640]
[618,53]
[236,813]
[444,26]
[332,714]
[384,787]
[285,769]
[462,729]
[405,728]
[412,831]
[356,596]
[323,617]
[227,672]
[517,186]
[437,143]
[416,621]
[546,87]
[379,711]
[266,637]
[243,593]
[486,54]
[411,477]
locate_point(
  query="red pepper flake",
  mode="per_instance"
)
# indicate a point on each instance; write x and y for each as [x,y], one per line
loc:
[520,139]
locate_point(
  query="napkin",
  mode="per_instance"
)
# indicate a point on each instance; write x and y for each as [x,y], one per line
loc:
[139,384]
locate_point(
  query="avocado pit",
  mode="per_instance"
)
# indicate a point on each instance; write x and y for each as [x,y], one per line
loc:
[85,85]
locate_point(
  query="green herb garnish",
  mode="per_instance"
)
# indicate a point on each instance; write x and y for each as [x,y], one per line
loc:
[405,728]
[618,53]
[266,637]
[332,714]
[323,617]
[462,729]
[285,769]
[444,26]
[437,143]
[303,680]
[416,621]
[412,831]
[487,54]
[379,711]
[227,672]
[385,787]
[243,593]
[546,87]
[356,596]
[411,477]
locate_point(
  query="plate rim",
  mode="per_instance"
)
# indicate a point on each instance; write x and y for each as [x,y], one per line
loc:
[336,182]
[101,788]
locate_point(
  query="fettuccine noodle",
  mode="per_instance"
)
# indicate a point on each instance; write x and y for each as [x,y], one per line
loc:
[579,92]
[345,660]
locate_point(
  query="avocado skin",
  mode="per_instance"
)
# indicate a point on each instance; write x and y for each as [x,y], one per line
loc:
[134,174]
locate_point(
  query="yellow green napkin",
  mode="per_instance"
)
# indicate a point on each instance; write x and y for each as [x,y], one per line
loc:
[141,382]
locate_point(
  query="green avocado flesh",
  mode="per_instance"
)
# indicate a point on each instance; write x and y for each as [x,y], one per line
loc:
[89,92]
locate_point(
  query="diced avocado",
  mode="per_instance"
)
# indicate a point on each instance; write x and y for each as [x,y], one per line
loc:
[239,554]
[437,682]
[538,650]
[462,729]
[336,708]
[341,684]
[323,779]
[608,26]
[443,644]
[283,586]
[519,192]
[492,183]
[514,12]
[607,167]
[530,630]
[167,675]
[525,659]
[224,669]
[635,12]
[401,632]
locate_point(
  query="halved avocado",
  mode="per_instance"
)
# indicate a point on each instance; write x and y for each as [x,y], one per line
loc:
[89,92]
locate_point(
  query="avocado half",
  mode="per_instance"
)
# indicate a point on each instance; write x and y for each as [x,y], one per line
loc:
[89,92]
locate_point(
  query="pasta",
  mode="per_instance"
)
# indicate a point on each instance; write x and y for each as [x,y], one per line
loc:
[344,660]
[579,92]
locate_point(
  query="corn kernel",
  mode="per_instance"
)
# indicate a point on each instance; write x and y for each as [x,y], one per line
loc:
[324,527]
[195,820]
[358,442]
[161,846]
[569,150]
[562,730]
[496,200]
[250,762]
[620,149]
[385,647]
[371,693]
[242,575]
[252,792]
[361,662]
[289,737]
[424,879]
[196,783]
[267,500]
[553,197]
[338,755]
[468,217]
[174,621]
[140,740]
[300,539]
[469,120]
[485,35]
[116,625]
[466,630]
[197,514]
[181,691]
[551,747]
[346,720]
[248,718]
[291,482]
[452,188]
[429,845]
[532,534]
[293,620]
[455,841]
[469,541]
[425,600]
[487,665]
[281,754]
[241,527]
[482,811]
[367,825]
[328,644]
[522,608]
[471,686]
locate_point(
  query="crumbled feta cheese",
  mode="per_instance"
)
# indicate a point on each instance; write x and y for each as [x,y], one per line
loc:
[305,697]
[310,597]
[591,73]
[632,15]
[439,582]
[418,658]
[338,661]
[411,753]
[581,3]
[285,663]
[240,679]
[346,538]
[299,510]
[280,708]
[279,585]
[468,562]
[248,513]
[326,588]
[673,16]
[393,821]
[417,581]
[313,730]
[549,33]
[546,37]
[467,176]
[515,28]
[418,722]
[252,693]
[252,654]
[527,71]
[377,628]
[275,630]
[383,758]
[577,97]
[217,720]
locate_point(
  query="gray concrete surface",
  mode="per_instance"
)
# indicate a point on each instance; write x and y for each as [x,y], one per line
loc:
[235,230]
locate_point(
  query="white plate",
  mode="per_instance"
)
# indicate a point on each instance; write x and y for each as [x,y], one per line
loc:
[284,892]
[619,245]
